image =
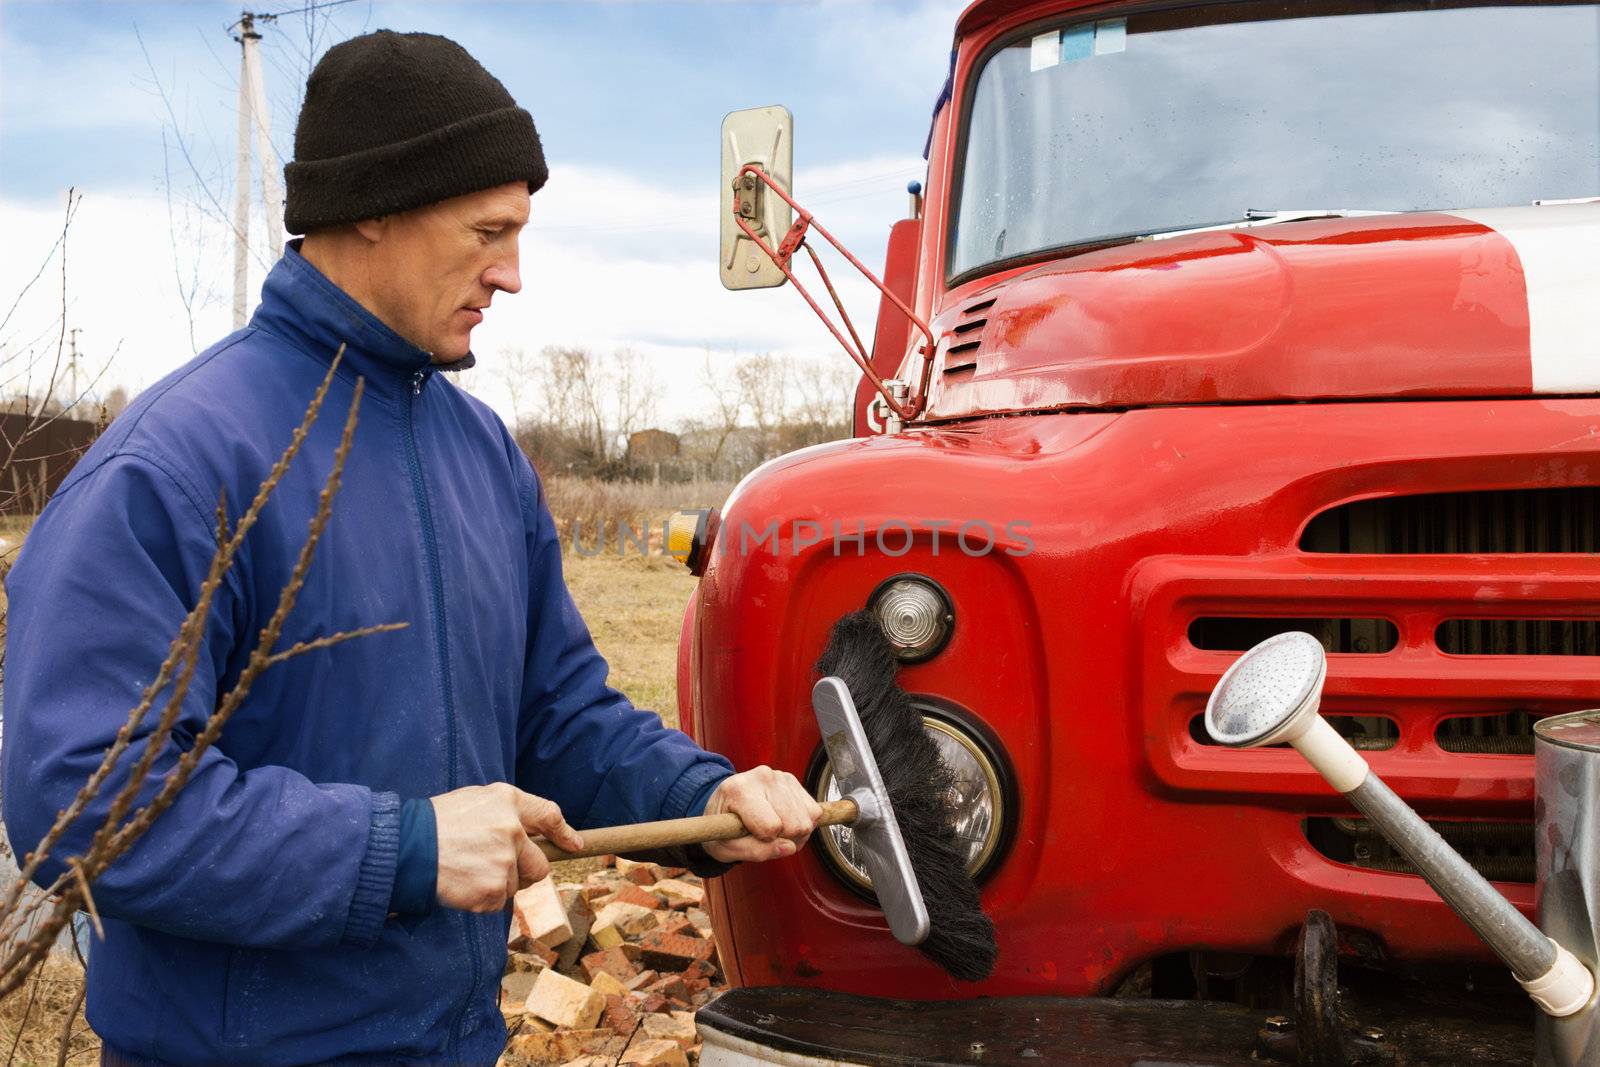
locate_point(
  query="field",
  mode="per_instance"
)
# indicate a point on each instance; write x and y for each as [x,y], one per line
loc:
[634,606]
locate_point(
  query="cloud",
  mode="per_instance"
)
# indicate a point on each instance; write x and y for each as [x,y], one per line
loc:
[609,261]
[906,47]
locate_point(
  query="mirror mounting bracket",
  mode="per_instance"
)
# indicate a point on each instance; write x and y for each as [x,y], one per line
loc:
[749,202]
[749,187]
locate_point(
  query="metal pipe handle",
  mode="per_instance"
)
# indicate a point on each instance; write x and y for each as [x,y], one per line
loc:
[1556,980]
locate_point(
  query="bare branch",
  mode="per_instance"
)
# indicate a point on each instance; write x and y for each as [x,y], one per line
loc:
[300,648]
[65,1046]
[61,900]
[71,208]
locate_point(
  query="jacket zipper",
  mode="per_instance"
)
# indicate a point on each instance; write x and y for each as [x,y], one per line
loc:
[430,550]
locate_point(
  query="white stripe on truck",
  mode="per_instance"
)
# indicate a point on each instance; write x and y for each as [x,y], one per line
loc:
[1559,246]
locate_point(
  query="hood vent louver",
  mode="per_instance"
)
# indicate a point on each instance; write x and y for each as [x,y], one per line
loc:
[966,337]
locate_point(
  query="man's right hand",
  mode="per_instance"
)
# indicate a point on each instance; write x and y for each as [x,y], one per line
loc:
[485,850]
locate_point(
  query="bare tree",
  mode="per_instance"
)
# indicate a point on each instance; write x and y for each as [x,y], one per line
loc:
[726,402]
[572,397]
[763,382]
[518,369]
[634,390]
[823,403]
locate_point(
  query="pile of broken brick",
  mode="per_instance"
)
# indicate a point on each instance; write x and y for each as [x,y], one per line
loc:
[609,972]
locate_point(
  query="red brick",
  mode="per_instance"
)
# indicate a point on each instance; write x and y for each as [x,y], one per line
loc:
[671,987]
[645,1003]
[620,1015]
[632,894]
[679,894]
[613,961]
[629,869]
[673,952]
[676,924]
[535,957]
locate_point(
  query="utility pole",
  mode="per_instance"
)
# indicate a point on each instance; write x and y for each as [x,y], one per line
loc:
[72,369]
[253,112]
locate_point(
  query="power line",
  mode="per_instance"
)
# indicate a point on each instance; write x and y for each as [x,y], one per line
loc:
[264,16]
[830,193]
[308,8]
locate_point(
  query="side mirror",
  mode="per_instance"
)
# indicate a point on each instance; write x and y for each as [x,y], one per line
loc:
[763,136]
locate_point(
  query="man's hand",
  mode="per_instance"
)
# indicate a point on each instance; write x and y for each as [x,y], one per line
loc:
[776,809]
[485,853]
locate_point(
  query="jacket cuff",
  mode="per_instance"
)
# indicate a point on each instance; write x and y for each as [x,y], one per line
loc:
[691,784]
[375,879]
[416,868]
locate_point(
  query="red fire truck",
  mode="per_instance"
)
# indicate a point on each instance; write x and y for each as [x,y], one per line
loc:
[1214,320]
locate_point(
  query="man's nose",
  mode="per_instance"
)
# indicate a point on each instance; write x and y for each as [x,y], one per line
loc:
[504,275]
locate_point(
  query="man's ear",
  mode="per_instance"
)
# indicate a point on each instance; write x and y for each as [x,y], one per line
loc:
[373,229]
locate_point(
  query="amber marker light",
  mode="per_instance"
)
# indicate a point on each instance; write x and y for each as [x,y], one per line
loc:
[689,538]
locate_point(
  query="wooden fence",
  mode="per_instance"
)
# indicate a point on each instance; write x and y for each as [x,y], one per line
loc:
[41,451]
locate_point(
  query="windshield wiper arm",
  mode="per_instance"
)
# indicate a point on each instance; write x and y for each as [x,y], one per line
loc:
[1254,217]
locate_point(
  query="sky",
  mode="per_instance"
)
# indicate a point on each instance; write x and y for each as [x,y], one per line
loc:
[135,107]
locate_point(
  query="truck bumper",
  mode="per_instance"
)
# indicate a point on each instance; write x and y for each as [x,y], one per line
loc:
[818,1028]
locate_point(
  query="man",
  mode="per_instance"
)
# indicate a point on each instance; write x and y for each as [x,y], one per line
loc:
[332,883]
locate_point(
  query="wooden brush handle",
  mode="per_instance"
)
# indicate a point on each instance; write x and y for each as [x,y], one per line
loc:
[644,836]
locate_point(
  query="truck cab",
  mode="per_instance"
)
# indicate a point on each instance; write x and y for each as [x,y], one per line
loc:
[1241,317]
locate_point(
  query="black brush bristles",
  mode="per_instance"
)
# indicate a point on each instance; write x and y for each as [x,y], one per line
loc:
[961,937]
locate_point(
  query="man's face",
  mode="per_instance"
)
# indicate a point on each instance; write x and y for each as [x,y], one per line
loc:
[434,270]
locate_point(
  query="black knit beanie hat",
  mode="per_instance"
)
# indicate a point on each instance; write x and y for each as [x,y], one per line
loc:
[393,121]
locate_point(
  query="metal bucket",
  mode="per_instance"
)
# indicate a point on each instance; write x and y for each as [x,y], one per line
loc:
[1567,813]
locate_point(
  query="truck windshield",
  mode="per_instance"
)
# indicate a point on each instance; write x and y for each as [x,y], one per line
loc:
[1089,132]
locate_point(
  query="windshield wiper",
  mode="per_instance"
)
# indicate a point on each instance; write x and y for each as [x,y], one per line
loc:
[1254,217]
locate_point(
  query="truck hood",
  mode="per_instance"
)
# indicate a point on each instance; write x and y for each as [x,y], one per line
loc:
[1492,302]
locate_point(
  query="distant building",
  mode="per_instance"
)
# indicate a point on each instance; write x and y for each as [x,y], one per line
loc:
[651,446]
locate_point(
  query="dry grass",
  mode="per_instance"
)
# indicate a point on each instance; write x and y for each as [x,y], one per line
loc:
[49,995]
[634,608]
[596,504]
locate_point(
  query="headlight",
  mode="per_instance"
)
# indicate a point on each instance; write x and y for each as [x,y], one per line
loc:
[979,802]
[915,615]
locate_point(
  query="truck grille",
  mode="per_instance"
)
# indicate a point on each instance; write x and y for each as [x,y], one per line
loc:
[1439,667]
[1519,637]
[1507,520]
[1509,734]
[1500,851]
[1237,634]
[1511,521]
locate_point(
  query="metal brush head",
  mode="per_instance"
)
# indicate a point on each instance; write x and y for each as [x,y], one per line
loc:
[1269,694]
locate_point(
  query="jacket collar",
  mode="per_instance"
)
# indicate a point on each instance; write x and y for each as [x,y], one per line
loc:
[300,304]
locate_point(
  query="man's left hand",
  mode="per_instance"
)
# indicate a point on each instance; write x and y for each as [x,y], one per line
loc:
[775,808]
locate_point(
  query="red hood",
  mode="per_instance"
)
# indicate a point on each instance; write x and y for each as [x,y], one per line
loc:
[1501,302]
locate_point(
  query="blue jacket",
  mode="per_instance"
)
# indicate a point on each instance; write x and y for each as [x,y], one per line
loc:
[252,924]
